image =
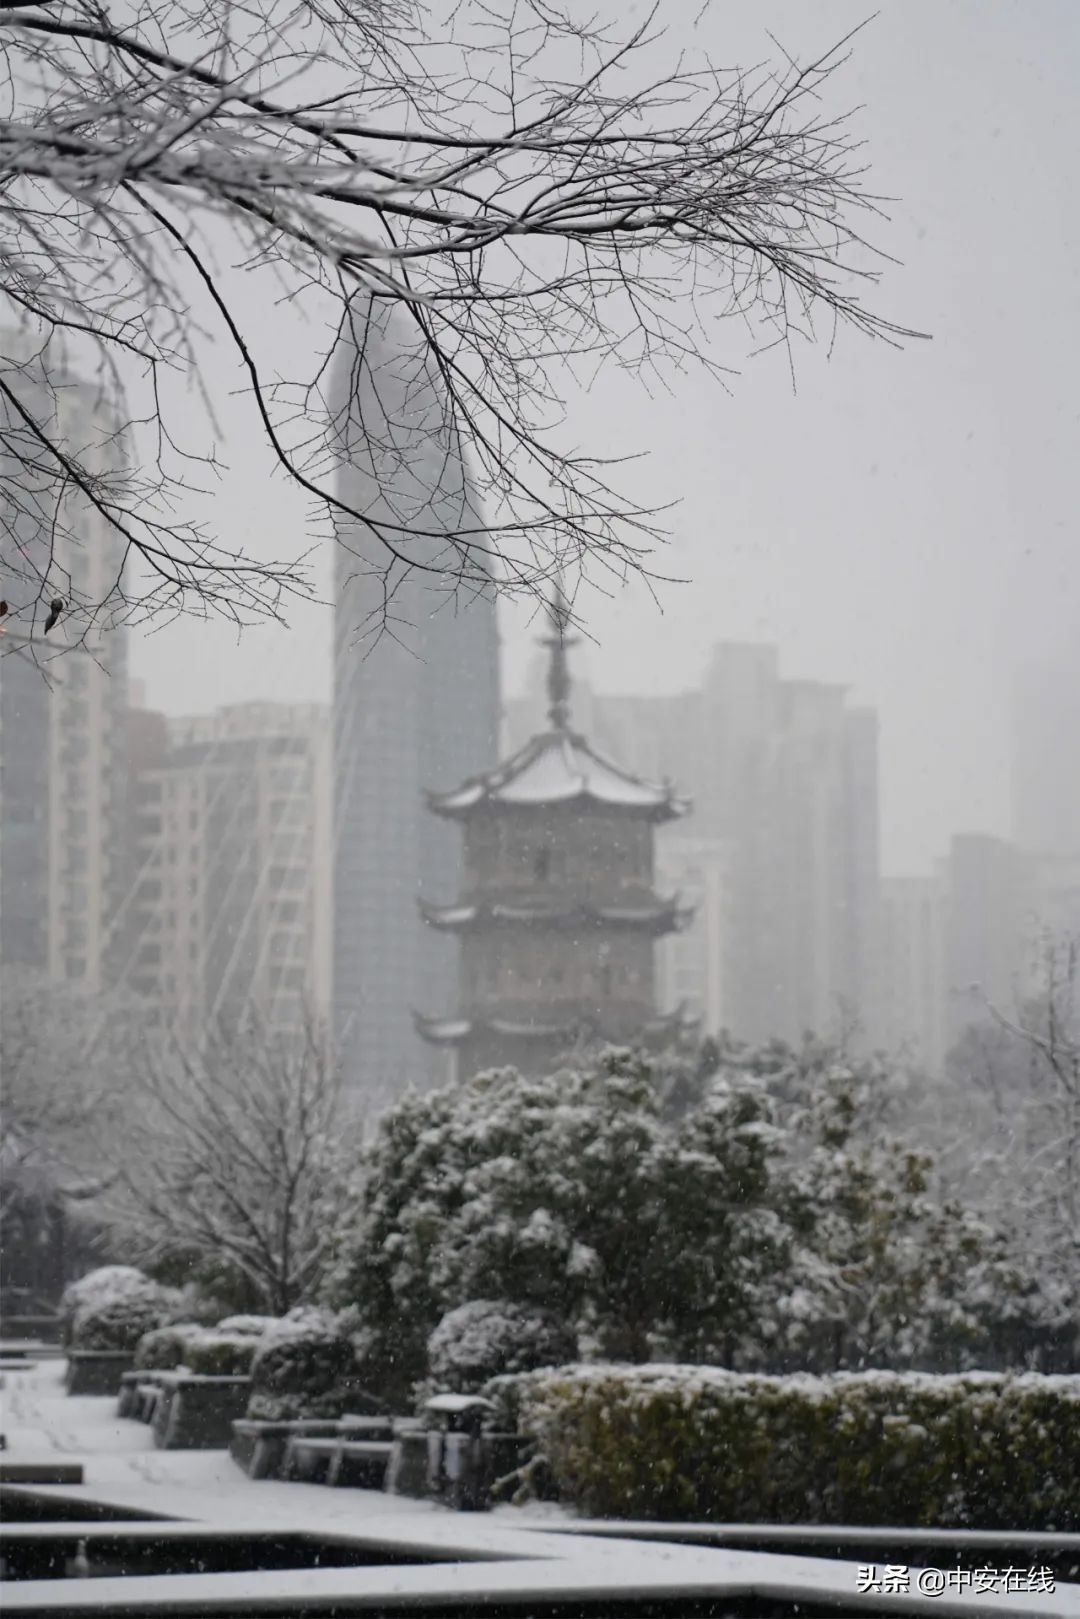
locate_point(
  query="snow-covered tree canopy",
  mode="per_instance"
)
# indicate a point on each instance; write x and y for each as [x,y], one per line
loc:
[487,1338]
[522,189]
[762,1226]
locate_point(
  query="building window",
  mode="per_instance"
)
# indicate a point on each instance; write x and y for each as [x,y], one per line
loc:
[542,865]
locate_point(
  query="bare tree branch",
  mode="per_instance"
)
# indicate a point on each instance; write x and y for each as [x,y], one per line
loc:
[235,1153]
[508,196]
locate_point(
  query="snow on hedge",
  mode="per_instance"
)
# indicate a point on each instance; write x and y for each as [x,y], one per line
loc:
[162,1350]
[486,1337]
[978,1450]
[248,1326]
[305,1366]
[113,1307]
[104,1286]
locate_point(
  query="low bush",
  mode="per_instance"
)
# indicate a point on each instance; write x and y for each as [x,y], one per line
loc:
[482,1339]
[305,1366]
[162,1350]
[975,1451]
[100,1289]
[117,1325]
[220,1354]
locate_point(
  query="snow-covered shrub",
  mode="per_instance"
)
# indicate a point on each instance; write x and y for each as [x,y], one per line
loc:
[162,1350]
[304,1366]
[766,1223]
[220,1354]
[484,1338]
[535,1190]
[119,1324]
[980,1450]
[102,1287]
[247,1326]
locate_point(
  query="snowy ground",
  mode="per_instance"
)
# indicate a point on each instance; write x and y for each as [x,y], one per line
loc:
[122,1465]
[521,1562]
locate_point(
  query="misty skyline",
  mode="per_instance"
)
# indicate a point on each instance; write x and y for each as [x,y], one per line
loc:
[902,523]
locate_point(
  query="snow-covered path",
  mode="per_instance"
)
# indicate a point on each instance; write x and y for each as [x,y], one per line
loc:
[122,1465]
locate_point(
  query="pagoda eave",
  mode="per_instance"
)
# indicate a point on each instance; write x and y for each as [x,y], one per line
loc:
[660,917]
[454,1032]
[458,807]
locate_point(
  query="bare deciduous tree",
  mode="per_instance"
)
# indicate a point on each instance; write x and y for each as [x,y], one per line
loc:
[59,1071]
[1007,1126]
[233,1160]
[1046,1119]
[508,184]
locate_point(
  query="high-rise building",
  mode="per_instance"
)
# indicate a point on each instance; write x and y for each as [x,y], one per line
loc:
[415,702]
[1046,761]
[62,701]
[988,923]
[913,970]
[229,911]
[691,963]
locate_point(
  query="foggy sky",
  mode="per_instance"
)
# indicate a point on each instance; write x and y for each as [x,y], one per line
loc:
[905,522]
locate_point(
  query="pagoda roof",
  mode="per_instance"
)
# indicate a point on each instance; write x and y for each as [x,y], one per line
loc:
[559,767]
[657,915]
[452,1031]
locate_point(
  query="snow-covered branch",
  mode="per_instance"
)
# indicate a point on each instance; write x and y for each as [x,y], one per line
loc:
[512,187]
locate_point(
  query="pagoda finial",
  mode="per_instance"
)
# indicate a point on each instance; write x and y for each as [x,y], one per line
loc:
[558,680]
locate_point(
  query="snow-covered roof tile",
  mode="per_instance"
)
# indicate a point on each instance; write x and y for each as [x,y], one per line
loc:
[560,767]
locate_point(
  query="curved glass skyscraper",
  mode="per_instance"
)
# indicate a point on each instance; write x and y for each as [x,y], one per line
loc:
[415,700]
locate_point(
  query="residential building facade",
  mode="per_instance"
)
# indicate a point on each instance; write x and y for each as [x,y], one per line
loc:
[63,700]
[230,910]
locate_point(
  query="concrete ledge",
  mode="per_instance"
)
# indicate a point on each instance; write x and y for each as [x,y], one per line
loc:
[197,1413]
[40,1472]
[97,1371]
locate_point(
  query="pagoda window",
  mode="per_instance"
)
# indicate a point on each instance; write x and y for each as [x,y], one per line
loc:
[542,865]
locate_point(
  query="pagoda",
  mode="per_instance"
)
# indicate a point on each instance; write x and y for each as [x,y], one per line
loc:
[559,918]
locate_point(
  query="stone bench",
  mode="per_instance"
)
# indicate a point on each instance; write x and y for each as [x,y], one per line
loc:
[259,1447]
[197,1413]
[361,1463]
[136,1388]
[307,1460]
[335,1459]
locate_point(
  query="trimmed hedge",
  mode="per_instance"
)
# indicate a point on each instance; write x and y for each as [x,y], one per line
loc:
[90,1307]
[117,1325]
[486,1338]
[220,1354]
[889,1449]
[306,1366]
[163,1349]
